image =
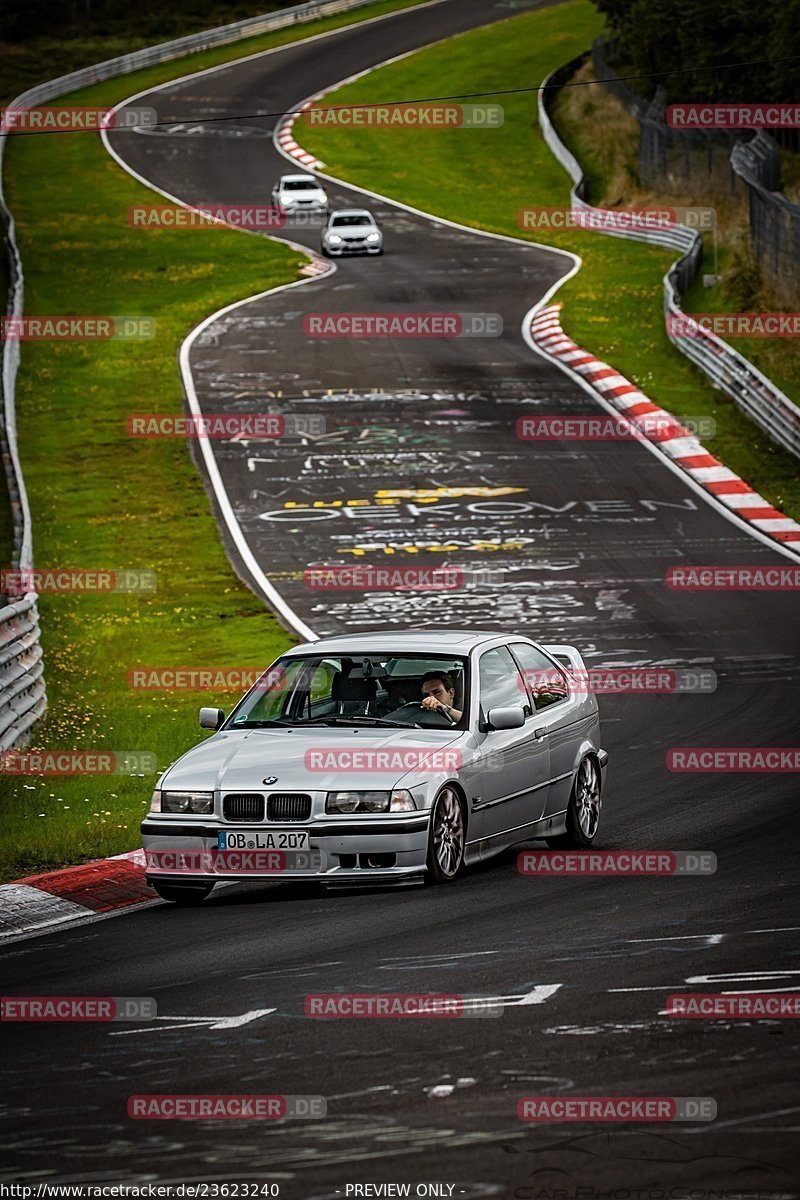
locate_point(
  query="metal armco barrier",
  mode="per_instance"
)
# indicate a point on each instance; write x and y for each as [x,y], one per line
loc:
[22,690]
[728,370]
[22,694]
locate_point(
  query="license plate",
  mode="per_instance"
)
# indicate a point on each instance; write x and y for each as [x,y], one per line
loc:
[262,839]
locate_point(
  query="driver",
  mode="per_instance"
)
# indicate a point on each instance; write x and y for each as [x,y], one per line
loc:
[439,692]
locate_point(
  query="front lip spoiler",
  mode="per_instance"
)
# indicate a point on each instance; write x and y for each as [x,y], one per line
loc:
[364,877]
[315,829]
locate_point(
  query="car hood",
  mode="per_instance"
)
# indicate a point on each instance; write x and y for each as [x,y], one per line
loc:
[318,760]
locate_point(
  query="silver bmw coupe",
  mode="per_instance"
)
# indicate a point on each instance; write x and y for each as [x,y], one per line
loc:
[378,757]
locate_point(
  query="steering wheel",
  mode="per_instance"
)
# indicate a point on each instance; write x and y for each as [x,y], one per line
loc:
[424,712]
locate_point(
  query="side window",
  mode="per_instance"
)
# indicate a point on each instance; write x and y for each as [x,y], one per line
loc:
[546,683]
[271,695]
[321,682]
[500,683]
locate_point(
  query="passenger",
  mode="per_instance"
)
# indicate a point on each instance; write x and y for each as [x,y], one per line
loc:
[439,692]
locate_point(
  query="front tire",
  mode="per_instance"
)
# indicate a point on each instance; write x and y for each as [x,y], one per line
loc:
[447,837]
[583,811]
[183,894]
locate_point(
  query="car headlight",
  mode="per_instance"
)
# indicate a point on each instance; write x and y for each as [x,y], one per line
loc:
[187,802]
[286,201]
[373,237]
[369,802]
[333,238]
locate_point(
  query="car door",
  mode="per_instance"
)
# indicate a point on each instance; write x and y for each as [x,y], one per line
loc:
[556,715]
[515,763]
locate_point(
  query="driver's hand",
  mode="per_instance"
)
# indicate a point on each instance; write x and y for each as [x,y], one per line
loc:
[430,702]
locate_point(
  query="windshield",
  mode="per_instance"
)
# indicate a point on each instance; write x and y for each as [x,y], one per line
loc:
[372,689]
[299,185]
[353,219]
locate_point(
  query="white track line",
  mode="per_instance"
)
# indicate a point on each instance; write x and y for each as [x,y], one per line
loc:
[268,590]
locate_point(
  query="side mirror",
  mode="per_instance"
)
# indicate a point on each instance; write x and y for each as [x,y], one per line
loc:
[505,718]
[211,718]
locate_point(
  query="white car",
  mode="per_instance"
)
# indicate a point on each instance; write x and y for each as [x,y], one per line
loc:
[365,758]
[299,193]
[352,231]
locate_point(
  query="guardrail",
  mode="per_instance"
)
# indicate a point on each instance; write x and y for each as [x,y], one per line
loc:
[22,694]
[727,369]
[22,690]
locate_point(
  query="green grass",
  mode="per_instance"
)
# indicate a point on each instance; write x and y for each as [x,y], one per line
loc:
[613,306]
[102,499]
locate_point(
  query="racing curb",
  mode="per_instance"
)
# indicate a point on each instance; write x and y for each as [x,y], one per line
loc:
[73,894]
[677,443]
[283,136]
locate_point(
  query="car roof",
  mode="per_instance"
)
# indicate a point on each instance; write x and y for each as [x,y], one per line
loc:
[394,641]
[352,212]
[299,178]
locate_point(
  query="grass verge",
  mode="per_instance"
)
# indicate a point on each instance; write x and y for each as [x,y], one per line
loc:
[101,499]
[483,178]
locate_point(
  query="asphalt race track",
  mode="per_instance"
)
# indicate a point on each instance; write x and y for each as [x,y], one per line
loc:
[583,534]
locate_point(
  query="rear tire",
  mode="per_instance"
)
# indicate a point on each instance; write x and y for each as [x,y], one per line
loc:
[183,894]
[583,811]
[447,837]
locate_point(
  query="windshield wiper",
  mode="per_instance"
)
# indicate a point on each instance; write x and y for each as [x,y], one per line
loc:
[261,724]
[357,721]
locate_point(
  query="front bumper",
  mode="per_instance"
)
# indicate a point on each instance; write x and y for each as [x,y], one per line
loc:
[361,849]
[293,210]
[339,251]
